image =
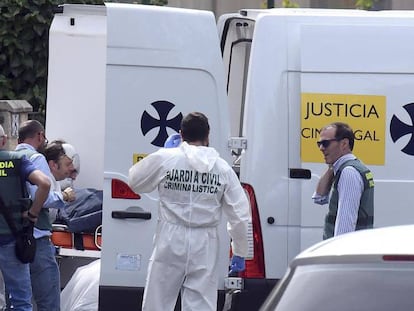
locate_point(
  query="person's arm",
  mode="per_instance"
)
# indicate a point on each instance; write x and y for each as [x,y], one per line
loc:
[42,182]
[145,175]
[350,189]
[325,182]
[323,188]
[54,198]
[236,208]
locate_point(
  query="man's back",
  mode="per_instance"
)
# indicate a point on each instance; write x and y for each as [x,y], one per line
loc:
[191,181]
[12,187]
[10,175]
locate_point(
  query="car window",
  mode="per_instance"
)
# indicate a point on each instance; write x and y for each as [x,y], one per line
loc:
[349,287]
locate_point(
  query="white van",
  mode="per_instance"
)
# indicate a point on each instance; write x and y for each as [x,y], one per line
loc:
[121,76]
[118,86]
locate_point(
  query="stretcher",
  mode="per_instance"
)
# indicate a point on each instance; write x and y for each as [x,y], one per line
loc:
[70,244]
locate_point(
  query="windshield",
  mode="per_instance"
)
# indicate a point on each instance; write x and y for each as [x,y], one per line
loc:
[349,287]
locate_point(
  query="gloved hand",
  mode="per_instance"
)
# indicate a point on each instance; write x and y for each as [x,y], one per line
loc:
[173,141]
[237,264]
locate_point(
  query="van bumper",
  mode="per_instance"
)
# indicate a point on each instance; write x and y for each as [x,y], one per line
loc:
[120,298]
[130,298]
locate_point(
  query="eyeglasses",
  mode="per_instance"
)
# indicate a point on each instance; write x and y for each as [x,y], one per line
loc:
[326,142]
[44,137]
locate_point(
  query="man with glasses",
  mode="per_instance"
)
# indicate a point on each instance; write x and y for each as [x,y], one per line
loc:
[61,158]
[44,271]
[347,184]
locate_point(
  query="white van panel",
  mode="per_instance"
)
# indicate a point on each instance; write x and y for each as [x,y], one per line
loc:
[265,161]
[338,49]
[236,43]
[393,180]
[313,53]
[155,76]
[163,61]
[75,98]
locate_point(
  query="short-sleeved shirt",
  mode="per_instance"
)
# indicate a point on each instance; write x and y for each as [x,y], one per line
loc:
[27,168]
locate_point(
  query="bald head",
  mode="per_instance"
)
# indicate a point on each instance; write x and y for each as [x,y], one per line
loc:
[32,132]
[30,129]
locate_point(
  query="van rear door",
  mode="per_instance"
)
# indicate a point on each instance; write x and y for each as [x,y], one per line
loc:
[236,34]
[162,63]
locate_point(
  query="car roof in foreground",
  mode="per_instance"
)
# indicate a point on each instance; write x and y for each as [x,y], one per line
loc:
[396,243]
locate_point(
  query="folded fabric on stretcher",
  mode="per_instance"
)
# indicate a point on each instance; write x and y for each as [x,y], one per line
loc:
[85,213]
[78,225]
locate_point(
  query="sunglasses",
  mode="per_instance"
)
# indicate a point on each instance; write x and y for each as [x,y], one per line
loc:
[326,142]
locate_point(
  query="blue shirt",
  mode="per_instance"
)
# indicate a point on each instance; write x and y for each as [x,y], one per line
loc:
[26,168]
[350,189]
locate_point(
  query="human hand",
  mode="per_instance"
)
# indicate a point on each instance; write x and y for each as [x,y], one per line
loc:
[69,194]
[30,216]
[237,264]
[330,169]
[173,141]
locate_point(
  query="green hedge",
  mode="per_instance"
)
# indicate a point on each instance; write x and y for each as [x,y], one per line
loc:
[24,28]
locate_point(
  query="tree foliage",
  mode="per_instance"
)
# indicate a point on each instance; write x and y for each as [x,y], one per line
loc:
[364,4]
[289,4]
[359,4]
[285,4]
[24,29]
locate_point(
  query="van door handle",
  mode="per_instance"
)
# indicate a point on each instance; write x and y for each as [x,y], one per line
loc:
[300,173]
[131,214]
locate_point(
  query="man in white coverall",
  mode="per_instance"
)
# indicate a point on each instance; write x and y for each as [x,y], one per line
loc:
[195,186]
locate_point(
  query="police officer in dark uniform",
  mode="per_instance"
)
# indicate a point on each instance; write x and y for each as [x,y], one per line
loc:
[15,170]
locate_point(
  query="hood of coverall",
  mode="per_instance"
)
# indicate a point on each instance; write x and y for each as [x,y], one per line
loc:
[201,158]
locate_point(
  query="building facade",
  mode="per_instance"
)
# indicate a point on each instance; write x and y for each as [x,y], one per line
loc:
[220,7]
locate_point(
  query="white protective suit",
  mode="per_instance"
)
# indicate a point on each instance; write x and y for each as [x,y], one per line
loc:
[82,291]
[195,185]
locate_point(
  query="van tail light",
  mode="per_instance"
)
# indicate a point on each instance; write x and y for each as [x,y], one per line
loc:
[120,190]
[255,267]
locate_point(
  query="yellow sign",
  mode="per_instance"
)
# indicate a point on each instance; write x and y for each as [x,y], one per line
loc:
[364,113]
[138,157]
